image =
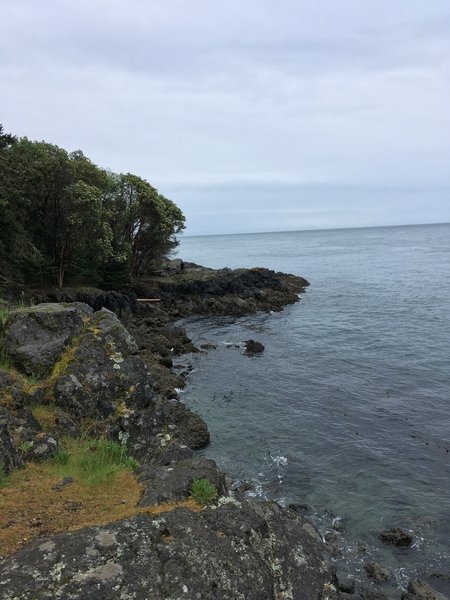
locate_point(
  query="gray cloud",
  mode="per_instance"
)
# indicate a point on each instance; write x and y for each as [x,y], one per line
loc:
[236,108]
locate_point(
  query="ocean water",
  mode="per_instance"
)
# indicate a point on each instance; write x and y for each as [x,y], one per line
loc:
[348,408]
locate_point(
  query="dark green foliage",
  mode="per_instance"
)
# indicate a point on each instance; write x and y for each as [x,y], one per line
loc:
[203,491]
[64,218]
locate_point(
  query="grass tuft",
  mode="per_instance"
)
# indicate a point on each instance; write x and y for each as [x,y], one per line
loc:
[25,446]
[203,491]
[61,457]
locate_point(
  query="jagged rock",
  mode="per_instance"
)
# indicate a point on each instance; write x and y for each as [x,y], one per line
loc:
[36,336]
[418,590]
[253,347]
[347,585]
[189,428]
[208,346]
[10,456]
[43,447]
[103,374]
[18,427]
[397,537]
[362,593]
[331,536]
[173,482]
[377,572]
[121,302]
[232,552]
[166,361]
[163,433]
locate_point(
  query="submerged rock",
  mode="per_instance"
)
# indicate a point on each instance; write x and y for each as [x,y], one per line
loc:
[396,536]
[419,590]
[253,347]
[377,573]
[234,551]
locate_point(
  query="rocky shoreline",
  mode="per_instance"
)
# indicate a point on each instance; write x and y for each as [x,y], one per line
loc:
[104,359]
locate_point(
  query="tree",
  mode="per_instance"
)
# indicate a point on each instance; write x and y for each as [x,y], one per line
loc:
[81,227]
[146,222]
[61,216]
[6,139]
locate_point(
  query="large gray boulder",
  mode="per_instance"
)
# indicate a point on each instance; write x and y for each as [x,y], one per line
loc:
[103,375]
[230,552]
[36,336]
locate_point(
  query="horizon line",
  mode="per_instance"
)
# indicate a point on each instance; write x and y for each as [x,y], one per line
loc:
[315,229]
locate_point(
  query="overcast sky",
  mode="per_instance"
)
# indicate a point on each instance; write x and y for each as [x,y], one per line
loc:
[251,115]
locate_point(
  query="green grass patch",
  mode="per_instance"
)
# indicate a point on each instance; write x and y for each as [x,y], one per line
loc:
[92,461]
[203,491]
[61,457]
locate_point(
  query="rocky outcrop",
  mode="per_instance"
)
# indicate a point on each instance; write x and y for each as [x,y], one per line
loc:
[163,433]
[232,551]
[95,369]
[102,373]
[121,302]
[197,290]
[94,373]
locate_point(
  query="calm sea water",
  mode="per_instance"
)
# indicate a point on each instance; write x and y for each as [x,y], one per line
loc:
[348,409]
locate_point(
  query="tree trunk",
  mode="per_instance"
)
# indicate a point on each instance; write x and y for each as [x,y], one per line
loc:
[61,277]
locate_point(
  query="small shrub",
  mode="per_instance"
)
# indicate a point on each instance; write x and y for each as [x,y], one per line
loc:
[203,491]
[25,446]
